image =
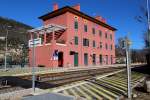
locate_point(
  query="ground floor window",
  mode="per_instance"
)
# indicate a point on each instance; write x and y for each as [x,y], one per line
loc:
[106,59]
[75,59]
[85,59]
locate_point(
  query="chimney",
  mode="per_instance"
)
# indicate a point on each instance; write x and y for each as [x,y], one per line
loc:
[77,7]
[100,19]
[55,6]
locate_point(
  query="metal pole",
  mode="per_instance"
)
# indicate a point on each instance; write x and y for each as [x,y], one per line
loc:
[6,50]
[128,67]
[148,14]
[148,20]
[33,64]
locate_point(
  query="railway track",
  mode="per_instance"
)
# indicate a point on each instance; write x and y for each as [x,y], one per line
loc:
[93,84]
[50,80]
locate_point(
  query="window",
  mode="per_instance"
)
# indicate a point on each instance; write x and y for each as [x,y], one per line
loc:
[101,45]
[111,47]
[93,30]
[106,46]
[106,35]
[100,33]
[76,40]
[111,59]
[85,59]
[106,59]
[76,24]
[110,36]
[94,44]
[85,28]
[85,42]
[100,59]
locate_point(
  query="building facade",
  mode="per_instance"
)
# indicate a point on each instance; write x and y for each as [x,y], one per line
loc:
[84,41]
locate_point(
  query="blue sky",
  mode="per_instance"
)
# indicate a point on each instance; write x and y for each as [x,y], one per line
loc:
[118,13]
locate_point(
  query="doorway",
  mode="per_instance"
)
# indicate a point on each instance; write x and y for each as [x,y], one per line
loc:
[111,59]
[60,59]
[100,59]
[85,59]
[94,59]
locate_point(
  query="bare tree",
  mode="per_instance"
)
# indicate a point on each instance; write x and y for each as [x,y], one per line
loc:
[143,18]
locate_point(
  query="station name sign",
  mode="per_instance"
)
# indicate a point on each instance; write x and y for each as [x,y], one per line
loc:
[36,42]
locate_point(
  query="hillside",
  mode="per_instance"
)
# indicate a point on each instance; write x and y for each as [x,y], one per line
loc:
[17,32]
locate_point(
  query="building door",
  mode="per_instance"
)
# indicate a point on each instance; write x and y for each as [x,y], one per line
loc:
[100,59]
[106,59]
[75,59]
[94,59]
[85,59]
[60,59]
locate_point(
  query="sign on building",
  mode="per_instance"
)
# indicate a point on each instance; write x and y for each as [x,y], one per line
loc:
[36,41]
[55,55]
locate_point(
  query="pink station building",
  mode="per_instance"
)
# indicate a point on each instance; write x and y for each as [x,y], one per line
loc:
[70,38]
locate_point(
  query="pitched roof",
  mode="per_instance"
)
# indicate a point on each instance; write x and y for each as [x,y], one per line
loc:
[76,12]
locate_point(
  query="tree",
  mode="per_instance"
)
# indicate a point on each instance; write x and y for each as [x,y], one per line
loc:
[143,18]
[17,35]
[119,51]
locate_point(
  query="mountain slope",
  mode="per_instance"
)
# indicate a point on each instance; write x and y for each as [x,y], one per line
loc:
[17,33]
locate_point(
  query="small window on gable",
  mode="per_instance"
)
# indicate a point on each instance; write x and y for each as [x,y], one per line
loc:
[85,28]
[76,22]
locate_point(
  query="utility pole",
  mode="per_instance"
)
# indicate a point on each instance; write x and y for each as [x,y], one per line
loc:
[6,49]
[6,38]
[128,63]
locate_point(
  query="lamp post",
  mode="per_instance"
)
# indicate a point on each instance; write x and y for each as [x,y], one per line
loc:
[126,45]
[128,63]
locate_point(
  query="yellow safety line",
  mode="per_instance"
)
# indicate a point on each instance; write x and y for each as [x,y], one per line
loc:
[125,88]
[116,88]
[103,89]
[115,82]
[74,93]
[99,92]
[65,92]
[95,95]
[83,93]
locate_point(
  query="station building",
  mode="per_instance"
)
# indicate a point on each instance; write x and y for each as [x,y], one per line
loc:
[70,38]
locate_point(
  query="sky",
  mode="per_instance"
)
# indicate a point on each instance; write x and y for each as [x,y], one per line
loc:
[118,13]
